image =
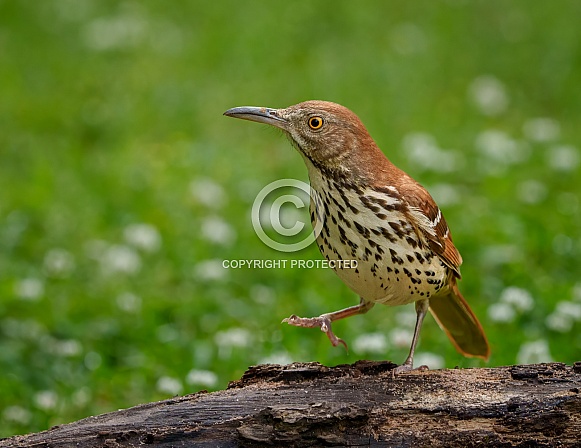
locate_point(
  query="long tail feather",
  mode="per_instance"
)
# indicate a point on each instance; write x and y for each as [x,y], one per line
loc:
[455,317]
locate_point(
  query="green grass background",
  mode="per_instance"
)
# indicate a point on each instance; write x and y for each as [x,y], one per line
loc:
[111,116]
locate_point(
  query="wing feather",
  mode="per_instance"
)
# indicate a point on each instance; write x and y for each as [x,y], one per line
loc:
[431,224]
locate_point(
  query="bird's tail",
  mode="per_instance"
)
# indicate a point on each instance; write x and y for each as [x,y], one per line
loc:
[455,317]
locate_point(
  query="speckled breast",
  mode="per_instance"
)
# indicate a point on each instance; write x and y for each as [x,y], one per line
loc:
[394,265]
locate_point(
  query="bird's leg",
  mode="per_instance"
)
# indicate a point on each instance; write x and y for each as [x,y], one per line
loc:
[421,310]
[324,320]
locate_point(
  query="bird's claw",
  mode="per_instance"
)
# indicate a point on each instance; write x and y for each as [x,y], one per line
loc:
[407,367]
[323,322]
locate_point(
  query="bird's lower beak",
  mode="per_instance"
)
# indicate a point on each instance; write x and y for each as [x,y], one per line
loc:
[260,115]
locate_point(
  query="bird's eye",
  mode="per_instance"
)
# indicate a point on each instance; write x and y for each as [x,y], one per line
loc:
[315,123]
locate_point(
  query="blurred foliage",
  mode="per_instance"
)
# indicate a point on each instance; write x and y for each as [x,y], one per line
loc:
[123,188]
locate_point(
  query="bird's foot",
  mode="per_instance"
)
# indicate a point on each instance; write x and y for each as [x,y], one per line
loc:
[408,367]
[323,322]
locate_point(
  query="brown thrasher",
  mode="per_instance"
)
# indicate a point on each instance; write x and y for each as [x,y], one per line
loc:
[376,214]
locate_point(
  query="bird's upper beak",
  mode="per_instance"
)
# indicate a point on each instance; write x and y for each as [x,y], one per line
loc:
[260,115]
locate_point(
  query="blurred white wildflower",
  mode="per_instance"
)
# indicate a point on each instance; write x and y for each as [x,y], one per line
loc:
[445,195]
[370,343]
[489,95]
[501,312]
[559,322]
[58,263]
[571,309]
[564,158]
[46,399]
[114,33]
[143,236]
[17,414]
[422,150]
[93,360]
[120,259]
[534,352]
[31,289]
[169,385]
[541,129]
[512,300]
[66,348]
[216,230]
[167,333]
[94,249]
[406,318]
[432,360]
[129,302]
[495,144]
[208,270]
[532,191]
[262,294]
[29,329]
[499,147]
[422,142]
[564,316]
[81,397]
[205,378]
[501,254]
[400,337]
[281,358]
[233,337]
[69,347]
[208,192]
[407,38]
[519,298]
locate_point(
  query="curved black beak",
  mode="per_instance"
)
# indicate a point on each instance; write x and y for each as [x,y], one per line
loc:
[260,115]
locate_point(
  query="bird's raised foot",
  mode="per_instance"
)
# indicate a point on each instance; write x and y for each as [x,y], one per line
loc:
[323,322]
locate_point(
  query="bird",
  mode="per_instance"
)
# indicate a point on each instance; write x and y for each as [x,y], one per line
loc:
[376,214]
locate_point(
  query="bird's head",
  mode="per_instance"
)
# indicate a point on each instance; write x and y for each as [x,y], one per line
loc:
[328,134]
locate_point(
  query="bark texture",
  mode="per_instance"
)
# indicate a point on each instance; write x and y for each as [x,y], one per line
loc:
[349,405]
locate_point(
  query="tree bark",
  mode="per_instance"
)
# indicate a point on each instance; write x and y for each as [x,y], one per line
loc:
[362,404]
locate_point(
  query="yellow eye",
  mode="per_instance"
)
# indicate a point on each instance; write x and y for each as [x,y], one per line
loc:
[315,122]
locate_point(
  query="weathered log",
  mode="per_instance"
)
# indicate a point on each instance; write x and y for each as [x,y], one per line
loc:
[362,404]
